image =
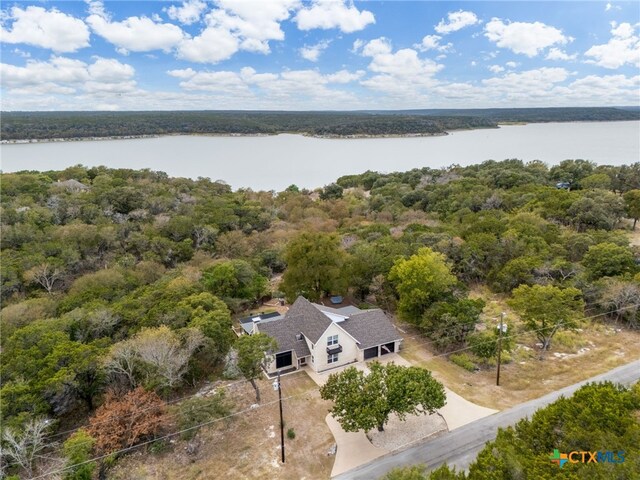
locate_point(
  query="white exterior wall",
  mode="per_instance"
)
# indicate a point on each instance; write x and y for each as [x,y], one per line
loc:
[361,352]
[271,365]
[349,352]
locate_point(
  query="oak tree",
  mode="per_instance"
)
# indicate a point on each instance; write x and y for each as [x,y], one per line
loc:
[420,281]
[546,309]
[364,401]
[252,351]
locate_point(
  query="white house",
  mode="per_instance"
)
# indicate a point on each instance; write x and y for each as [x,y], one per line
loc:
[324,337]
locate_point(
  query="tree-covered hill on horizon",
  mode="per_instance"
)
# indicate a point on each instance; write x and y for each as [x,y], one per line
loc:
[100,268]
[67,125]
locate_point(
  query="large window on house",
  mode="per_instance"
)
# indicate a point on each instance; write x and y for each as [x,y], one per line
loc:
[284,360]
[332,340]
[332,358]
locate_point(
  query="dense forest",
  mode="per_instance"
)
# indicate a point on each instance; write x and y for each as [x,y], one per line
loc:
[119,287]
[50,125]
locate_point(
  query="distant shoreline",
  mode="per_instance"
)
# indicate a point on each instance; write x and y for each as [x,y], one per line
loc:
[137,137]
[303,134]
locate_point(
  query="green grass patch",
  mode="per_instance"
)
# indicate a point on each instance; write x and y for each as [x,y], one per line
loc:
[463,360]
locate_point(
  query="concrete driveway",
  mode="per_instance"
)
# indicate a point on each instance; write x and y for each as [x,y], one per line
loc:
[457,411]
[355,449]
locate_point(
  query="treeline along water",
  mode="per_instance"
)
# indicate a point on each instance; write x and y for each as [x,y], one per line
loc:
[275,162]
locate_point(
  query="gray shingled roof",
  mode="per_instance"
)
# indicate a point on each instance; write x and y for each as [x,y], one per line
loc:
[315,322]
[344,311]
[370,328]
[284,331]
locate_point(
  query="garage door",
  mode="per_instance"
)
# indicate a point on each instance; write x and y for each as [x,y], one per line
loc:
[283,360]
[370,353]
[387,348]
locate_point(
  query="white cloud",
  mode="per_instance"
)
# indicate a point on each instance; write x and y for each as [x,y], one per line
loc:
[67,76]
[183,73]
[219,82]
[623,31]
[136,34]
[357,45]
[344,76]
[496,69]
[557,54]
[512,64]
[456,21]
[622,48]
[326,14]
[313,52]
[287,88]
[404,62]
[402,73]
[432,42]
[21,53]
[525,38]
[253,22]
[189,12]
[50,29]
[377,46]
[527,86]
[247,25]
[609,6]
[109,70]
[211,46]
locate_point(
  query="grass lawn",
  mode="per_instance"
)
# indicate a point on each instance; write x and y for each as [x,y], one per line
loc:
[247,446]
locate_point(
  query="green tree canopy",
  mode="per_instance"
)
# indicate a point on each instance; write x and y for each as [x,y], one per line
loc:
[235,279]
[314,266]
[608,260]
[449,323]
[77,450]
[252,352]
[632,205]
[546,309]
[421,280]
[364,401]
[598,417]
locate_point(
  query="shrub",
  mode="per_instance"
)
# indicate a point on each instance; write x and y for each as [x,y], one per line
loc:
[463,360]
[291,434]
[199,410]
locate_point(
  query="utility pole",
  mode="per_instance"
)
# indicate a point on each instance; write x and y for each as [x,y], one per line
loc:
[501,328]
[276,386]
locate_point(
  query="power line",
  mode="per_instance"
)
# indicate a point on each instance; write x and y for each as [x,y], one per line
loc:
[169,435]
[287,398]
[525,332]
[187,397]
[170,402]
[417,336]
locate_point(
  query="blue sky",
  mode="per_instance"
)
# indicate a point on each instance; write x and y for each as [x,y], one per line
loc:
[317,55]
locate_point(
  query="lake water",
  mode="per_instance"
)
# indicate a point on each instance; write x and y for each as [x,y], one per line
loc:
[273,163]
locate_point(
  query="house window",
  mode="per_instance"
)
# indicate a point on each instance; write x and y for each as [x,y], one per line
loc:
[332,340]
[332,358]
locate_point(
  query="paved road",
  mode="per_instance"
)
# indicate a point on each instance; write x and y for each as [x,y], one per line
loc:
[460,446]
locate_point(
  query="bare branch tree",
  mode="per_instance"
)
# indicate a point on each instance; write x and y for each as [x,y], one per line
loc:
[122,361]
[166,354]
[23,448]
[45,275]
[157,353]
